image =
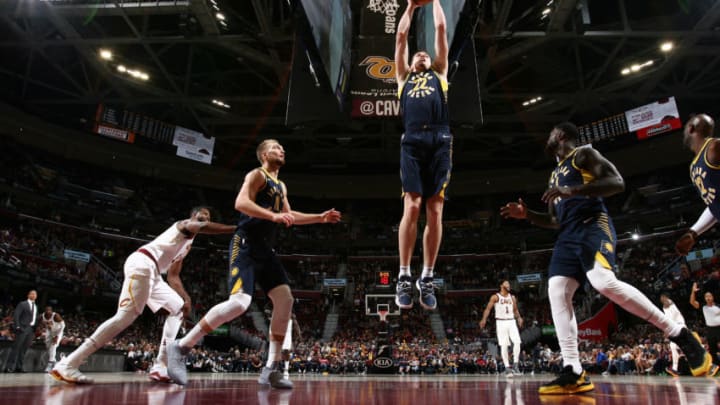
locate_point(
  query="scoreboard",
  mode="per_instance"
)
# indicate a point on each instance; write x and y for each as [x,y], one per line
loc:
[645,121]
[603,129]
[112,121]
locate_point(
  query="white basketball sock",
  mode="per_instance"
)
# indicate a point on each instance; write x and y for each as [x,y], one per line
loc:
[560,291]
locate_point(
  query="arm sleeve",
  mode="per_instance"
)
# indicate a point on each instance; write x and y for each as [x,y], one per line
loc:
[705,222]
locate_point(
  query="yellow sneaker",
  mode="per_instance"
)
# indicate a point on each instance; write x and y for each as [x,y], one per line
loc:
[567,383]
[700,361]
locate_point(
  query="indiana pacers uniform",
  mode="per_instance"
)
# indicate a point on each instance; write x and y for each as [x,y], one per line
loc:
[426,145]
[587,234]
[706,177]
[53,336]
[252,257]
[506,324]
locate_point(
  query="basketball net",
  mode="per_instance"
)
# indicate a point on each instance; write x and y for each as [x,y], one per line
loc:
[383,315]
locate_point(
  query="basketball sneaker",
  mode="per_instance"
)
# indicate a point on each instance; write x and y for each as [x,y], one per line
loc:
[699,360]
[508,372]
[567,383]
[176,369]
[68,374]
[274,378]
[427,293]
[159,373]
[516,369]
[403,292]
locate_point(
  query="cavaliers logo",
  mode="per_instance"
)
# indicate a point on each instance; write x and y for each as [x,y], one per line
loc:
[379,68]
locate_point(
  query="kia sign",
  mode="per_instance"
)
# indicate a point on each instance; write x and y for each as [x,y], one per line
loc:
[383,362]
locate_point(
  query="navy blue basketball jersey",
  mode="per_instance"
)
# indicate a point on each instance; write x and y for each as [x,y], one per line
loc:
[270,197]
[423,101]
[577,207]
[706,177]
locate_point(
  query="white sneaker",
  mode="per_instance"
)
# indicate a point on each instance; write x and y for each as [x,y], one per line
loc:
[177,371]
[159,373]
[63,372]
[274,378]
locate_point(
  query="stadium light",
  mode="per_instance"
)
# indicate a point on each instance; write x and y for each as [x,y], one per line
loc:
[106,54]
[667,46]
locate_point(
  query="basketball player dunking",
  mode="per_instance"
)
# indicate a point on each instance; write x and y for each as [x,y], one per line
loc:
[585,249]
[143,285]
[425,152]
[507,318]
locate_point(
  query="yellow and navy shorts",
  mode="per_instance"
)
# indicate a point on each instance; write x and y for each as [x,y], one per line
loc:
[581,244]
[426,162]
[253,261]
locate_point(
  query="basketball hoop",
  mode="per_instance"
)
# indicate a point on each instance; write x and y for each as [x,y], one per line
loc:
[383,313]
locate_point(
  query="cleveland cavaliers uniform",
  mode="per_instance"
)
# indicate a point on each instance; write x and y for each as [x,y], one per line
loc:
[586,234]
[148,263]
[252,257]
[53,330]
[506,324]
[426,145]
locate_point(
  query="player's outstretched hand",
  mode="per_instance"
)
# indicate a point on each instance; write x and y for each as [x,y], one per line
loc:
[482,324]
[516,210]
[331,216]
[284,218]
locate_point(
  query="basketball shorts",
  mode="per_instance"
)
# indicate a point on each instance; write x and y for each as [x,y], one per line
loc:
[251,262]
[582,243]
[426,162]
[507,331]
[143,285]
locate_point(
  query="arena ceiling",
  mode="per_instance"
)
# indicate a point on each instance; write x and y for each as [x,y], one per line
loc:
[50,66]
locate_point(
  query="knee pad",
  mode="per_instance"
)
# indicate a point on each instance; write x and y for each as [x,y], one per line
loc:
[240,301]
[602,279]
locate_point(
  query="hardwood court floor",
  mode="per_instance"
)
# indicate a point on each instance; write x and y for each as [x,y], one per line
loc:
[132,388]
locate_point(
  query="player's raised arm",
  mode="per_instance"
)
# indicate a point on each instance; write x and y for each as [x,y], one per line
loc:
[440,64]
[401,43]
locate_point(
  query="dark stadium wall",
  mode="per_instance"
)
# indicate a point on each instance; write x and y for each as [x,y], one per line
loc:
[662,151]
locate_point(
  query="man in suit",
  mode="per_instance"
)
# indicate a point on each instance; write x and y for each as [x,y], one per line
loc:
[25,320]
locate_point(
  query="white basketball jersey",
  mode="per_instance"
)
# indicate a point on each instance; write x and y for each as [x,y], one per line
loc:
[171,246]
[504,307]
[51,325]
[673,313]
